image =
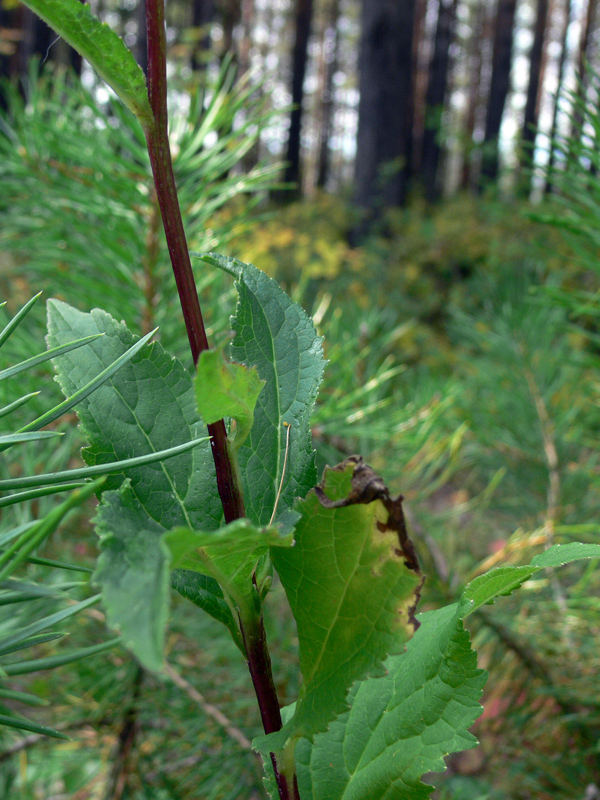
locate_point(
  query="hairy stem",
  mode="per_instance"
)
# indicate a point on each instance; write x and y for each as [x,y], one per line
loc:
[253,633]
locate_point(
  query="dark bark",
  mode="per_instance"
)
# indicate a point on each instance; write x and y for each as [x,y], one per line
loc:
[437,85]
[203,14]
[247,18]
[559,90]
[230,12]
[582,73]
[384,118]
[330,61]
[499,88]
[302,26]
[479,34]
[9,39]
[532,105]
[416,113]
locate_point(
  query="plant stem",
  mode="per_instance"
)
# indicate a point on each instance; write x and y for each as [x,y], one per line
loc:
[259,664]
[253,632]
[162,169]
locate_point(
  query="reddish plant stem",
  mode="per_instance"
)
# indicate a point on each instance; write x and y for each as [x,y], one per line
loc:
[259,664]
[253,633]
[162,169]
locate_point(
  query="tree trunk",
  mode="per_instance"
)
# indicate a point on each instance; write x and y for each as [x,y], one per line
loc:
[420,63]
[559,89]
[302,25]
[532,105]
[230,12]
[499,88]
[480,33]
[9,40]
[436,97]
[203,13]
[330,61]
[582,74]
[247,18]
[385,80]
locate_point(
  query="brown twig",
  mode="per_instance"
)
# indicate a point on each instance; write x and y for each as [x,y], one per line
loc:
[208,708]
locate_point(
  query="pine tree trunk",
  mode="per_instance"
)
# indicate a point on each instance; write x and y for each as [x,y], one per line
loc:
[247,19]
[203,13]
[330,62]
[480,33]
[420,64]
[9,39]
[385,80]
[559,89]
[499,88]
[436,97]
[302,25]
[536,62]
[230,12]
[582,75]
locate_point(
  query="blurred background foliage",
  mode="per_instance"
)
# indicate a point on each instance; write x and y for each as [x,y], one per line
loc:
[462,342]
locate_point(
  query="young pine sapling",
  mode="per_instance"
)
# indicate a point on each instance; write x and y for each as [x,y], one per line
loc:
[385,693]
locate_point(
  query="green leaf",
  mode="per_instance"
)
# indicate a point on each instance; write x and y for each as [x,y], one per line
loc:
[277,337]
[402,724]
[224,388]
[51,662]
[17,319]
[560,554]
[40,625]
[229,555]
[352,580]
[133,571]
[31,494]
[23,697]
[145,407]
[17,403]
[32,536]
[25,725]
[504,580]
[32,641]
[14,438]
[105,51]
[205,592]
[22,366]
[86,390]
[100,469]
